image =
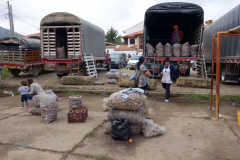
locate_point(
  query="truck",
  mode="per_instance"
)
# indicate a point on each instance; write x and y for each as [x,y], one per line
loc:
[230,46]
[21,55]
[158,25]
[69,41]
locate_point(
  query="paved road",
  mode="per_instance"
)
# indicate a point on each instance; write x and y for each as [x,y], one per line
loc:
[50,80]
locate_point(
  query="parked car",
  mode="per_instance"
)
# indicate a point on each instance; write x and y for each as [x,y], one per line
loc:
[118,60]
[132,61]
[194,65]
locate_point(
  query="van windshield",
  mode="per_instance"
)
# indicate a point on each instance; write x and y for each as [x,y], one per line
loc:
[115,56]
[134,58]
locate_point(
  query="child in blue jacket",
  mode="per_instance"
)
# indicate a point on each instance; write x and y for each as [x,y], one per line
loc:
[24,94]
[166,72]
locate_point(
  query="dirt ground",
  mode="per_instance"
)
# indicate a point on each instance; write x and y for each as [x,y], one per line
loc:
[191,134]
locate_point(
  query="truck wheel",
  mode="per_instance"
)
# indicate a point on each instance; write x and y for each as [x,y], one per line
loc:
[60,75]
[35,71]
[109,67]
[15,72]
[223,76]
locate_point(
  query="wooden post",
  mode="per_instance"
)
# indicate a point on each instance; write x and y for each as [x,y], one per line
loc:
[213,61]
[218,74]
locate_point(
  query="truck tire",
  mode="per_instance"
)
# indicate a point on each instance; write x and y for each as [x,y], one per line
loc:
[62,75]
[15,72]
[119,66]
[223,76]
[35,71]
[109,67]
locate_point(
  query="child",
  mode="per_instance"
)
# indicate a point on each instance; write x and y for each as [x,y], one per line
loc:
[24,94]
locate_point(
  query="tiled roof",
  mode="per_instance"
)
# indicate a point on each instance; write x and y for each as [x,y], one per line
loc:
[107,43]
[123,46]
[131,27]
[133,34]
[31,35]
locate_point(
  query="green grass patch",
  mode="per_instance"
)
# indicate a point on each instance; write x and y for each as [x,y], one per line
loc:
[207,97]
[78,145]
[207,118]
[90,134]
[101,157]
[5,73]
[76,93]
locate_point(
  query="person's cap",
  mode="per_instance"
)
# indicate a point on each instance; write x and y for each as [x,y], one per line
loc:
[176,26]
[167,59]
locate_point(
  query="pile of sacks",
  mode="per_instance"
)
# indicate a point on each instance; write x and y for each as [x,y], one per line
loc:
[130,104]
[45,104]
[150,50]
[75,101]
[113,76]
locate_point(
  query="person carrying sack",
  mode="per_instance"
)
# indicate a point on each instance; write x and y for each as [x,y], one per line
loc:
[166,72]
[142,75]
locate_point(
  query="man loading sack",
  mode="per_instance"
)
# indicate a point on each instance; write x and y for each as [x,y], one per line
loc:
[177,35]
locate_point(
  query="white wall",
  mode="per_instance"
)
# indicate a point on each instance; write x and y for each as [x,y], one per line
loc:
[136,28]
[126,52]
[109,50]
[129,45]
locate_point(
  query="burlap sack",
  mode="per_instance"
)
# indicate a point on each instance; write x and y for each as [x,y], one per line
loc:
[185,50]
[75,101]
[194,50]
[177,50]
[150,50]
[168,50]
[159,50]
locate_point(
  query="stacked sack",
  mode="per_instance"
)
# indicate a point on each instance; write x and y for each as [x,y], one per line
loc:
[75,101]
[49,107]
[113,77]
[194,50]
[168,50]
[159,50]
[135,110]
[177,50]
[36,110]
[185,50]
[150,50]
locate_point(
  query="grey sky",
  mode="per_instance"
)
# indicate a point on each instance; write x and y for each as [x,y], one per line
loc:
[121,14]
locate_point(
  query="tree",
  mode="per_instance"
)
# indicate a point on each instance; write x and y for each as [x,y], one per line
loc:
[113,37]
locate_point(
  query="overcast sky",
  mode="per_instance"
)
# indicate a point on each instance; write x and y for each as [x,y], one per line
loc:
[121,14]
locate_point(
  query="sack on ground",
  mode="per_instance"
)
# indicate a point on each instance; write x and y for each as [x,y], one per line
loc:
[134,129]
[159,50]
[134,117]
[194,50]
[145,106]
[49,112]
[168,50]
[75,101]
[151,129]
[150,50]
[108,128]
[35,110]
[121,129]
[112,81]
[104,105]
[113,75]
[134,103]
[36,101]
[185,50]
[177,50]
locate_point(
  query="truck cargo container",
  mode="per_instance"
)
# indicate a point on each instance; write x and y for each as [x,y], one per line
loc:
[65,38]
[158,25]
[230,46]
[21,55]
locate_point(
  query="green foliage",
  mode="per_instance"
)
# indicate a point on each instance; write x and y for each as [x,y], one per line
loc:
[101,157]
[6,33]
[5,73]
[207,97]
[72,93]
[113,37]
[90,134]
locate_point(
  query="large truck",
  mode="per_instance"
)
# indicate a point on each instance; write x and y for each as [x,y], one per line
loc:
[158,25]
[66,38]
[21,55]
[230,46]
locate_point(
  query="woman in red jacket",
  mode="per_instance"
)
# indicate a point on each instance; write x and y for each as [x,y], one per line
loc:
[177,35]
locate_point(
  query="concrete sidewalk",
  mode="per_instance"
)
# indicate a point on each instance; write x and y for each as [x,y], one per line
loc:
[189,135]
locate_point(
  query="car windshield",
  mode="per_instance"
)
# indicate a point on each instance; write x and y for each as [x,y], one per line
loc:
[115,56]
[134,58]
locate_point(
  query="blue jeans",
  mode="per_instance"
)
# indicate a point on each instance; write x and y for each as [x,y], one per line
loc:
[30,96]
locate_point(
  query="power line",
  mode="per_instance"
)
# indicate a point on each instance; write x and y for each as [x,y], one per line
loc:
[26,22]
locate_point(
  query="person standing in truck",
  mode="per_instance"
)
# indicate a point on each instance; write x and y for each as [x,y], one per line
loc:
[177,35]
[166,72]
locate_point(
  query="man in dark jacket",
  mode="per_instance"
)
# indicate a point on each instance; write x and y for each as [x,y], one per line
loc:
[177,35]
[166,72]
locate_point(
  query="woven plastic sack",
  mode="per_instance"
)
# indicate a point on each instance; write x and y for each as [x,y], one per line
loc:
[112,81]
[49,112]
[150,50]
[120,129]
[134,103]
[168,50]
[36,101]
[194,50]
[159,50]
[113,75]
[145,106]
[35,110]
[61,52]
[177,50]
[134,129]
[75,101]
[134,117]
[185,50]
[151,129]
[104,105]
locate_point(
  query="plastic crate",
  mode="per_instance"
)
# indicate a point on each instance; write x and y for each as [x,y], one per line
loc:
[80,117]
